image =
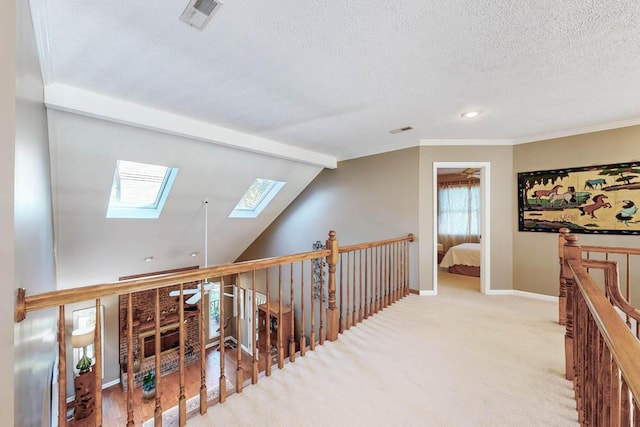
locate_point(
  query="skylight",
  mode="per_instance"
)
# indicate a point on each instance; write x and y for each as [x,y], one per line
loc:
[257,197]
[139,190]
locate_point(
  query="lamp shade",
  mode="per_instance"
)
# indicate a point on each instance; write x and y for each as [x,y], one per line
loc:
[82,337]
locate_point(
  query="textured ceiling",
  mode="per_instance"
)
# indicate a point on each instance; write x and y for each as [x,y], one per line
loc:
[335,77]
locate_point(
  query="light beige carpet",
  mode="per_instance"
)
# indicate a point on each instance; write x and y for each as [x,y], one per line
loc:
[458,359]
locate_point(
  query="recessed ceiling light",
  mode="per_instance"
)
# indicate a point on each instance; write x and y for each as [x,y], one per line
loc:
[149,258]
[470,114]
[193,254]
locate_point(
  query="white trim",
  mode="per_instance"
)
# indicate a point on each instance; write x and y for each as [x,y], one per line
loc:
[533,295]
[428,292]
[40,29]
[67,98]
[578,131]
[524,294]
[485,216]
[445,142]
[104,386]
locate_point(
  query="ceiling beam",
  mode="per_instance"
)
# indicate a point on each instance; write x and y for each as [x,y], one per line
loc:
[67,98]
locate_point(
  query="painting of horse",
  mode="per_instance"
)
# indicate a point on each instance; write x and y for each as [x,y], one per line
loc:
[591,199]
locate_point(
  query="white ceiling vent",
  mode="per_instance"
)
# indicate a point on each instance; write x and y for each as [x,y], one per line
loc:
[198,13]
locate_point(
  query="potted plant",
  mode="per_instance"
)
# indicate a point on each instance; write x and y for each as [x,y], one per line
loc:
[149,385]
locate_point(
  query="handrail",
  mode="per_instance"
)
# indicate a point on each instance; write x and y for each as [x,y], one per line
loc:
[350,248]
[625,349]
[27,303]
[612,285]
[610,250]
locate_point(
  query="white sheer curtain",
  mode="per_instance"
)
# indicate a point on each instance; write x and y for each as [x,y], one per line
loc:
[458,213]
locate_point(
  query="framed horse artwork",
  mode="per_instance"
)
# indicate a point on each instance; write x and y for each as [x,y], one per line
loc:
[592,199]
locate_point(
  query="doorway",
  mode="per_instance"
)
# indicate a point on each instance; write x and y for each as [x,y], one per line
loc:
[482,170]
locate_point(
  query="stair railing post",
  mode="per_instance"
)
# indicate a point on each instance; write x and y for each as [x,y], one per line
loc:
[562,293]
[572,252]
[332,311]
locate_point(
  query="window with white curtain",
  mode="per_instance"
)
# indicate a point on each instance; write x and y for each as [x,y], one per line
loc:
[459,210]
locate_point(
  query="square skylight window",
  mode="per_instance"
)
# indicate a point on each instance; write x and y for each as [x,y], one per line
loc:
[139,190]
[257,197]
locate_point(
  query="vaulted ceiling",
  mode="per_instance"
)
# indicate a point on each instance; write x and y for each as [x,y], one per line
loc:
[298,85]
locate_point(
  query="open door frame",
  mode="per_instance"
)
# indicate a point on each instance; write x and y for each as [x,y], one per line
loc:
[485,215]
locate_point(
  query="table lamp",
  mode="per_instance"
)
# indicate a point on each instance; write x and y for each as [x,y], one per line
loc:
[81,338]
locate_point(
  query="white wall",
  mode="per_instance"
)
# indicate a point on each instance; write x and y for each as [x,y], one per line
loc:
[7,150]
[35,345]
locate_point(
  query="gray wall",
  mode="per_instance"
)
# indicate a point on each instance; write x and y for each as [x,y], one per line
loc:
[502,190]
[35,339]
[7,150]
[535,254]
[381,188]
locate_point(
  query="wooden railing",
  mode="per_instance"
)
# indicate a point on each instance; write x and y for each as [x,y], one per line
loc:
[371,275]
[602,353]
[626,257]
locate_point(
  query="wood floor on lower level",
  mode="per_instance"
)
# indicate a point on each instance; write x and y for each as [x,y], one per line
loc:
[114,399]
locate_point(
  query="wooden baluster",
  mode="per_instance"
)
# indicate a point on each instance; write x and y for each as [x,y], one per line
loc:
[636,413]
[385,277]
[62,369]
[354,312]
[342,319]
[303,320]
[280,308]
[97,352]
[360,300]
[321,331]
[348,306]
[203,353]
[157,413]
[222,384]
[403,283]
[182,399]
[615,394]
[371,283]
[406,268]
[239,379]
[392,280]
[396,296]
[408,265]
[378,279]
[254,329]
[605,368]
[625,406]
[313,310]
[292,337]
[268,359]
[129,361]
[366,284]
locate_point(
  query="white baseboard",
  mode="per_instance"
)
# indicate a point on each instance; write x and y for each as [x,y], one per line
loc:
[427,292]
[525,294]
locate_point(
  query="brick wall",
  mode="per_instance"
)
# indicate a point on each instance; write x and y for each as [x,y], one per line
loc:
[144,320]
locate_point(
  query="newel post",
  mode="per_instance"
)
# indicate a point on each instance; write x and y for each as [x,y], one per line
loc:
[572,252]
[332,311]
[562,292]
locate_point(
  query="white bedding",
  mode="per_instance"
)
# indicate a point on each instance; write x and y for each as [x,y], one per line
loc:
[465,254]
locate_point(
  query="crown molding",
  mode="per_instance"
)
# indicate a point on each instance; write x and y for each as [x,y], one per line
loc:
[479,142]
[578,131]
[67,98]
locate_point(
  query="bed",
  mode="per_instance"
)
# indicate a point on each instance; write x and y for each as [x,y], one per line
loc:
[463,259]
